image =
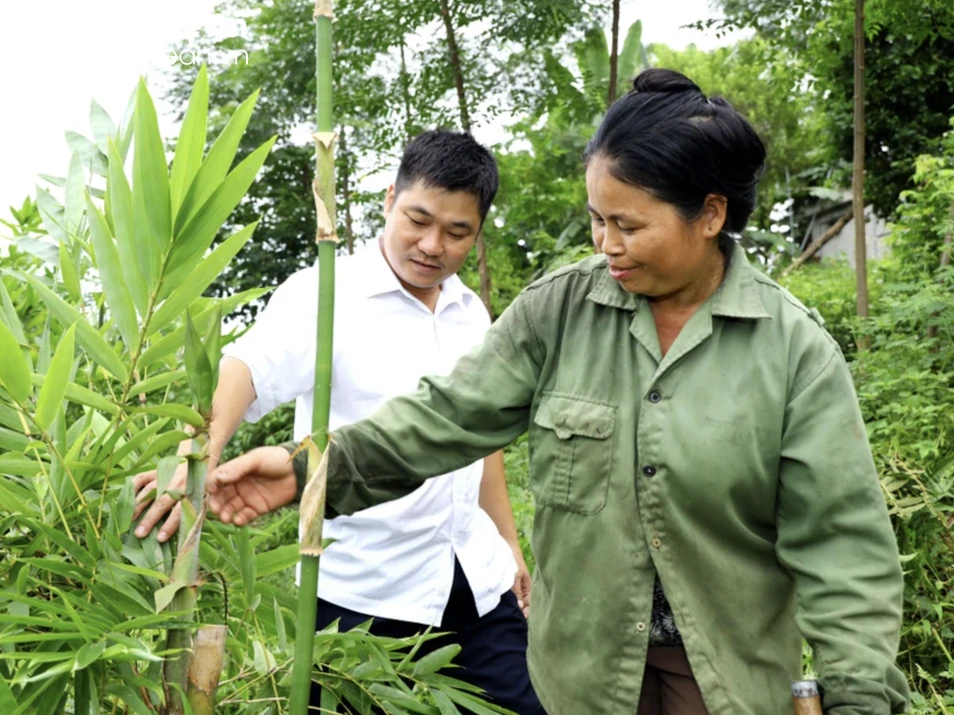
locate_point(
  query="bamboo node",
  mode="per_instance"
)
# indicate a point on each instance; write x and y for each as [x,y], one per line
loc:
[323,9]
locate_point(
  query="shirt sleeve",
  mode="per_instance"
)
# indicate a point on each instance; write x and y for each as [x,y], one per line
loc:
[835,537]
[279,349]
[450,422]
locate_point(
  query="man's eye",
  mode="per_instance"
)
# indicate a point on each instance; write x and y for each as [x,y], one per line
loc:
[598,220]
[416,222]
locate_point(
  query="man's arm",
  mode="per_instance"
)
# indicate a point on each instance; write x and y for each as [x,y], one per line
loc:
[495,500]
[233,396]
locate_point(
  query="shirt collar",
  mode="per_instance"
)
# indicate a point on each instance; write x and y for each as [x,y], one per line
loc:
[378,278]
[736,297]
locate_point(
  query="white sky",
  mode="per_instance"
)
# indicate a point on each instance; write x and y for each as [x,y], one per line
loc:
[57,55]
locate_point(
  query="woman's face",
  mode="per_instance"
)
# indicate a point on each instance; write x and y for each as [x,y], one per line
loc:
[650,249]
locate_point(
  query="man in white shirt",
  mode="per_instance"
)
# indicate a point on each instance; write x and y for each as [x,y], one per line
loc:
[446,555]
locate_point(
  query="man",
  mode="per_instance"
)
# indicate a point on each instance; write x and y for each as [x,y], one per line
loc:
[446,555]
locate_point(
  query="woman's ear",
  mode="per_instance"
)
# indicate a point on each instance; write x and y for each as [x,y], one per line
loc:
[713,215]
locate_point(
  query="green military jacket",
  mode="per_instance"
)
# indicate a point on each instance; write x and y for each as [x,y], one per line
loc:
[737,467]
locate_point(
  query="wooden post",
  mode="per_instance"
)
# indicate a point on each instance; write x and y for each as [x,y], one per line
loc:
[806,697]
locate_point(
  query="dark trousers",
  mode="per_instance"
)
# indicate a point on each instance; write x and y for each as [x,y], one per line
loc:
[669,687]
[493,652]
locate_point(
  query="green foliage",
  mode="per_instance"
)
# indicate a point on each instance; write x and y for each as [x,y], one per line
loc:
[904,383]
[91,392]
[760,80]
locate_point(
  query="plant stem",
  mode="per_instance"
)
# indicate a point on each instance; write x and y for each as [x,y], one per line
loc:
[327,241]
[185,571]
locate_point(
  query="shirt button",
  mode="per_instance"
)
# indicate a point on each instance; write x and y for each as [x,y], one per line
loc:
[649,470]
[654,397]
[656,542]
[640,626]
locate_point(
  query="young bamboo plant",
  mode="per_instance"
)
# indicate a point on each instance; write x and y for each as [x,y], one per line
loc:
[313,499]
[202,367]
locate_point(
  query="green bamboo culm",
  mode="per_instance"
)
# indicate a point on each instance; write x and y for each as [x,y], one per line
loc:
[313,500]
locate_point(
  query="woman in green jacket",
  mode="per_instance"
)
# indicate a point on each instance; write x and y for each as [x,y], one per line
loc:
[705,492]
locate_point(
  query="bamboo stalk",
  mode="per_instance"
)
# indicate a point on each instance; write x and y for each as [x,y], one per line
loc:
[185,573]
[313,501]
[205,668]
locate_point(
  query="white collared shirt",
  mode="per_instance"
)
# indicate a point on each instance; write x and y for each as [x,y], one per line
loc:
[394,560]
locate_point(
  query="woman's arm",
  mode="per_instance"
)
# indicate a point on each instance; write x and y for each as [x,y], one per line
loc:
[835,537]
[450,422]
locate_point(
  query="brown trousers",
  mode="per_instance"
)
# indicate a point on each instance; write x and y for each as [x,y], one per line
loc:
[668,685]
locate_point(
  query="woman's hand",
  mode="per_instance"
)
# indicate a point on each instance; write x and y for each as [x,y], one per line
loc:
[245,488]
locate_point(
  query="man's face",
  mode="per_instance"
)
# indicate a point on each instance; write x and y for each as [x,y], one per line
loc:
[428,233]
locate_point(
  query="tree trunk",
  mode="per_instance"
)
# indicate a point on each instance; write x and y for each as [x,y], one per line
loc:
[614,55]
[346,190]
[817,244]
[858,179]
[454,55]
[406,95]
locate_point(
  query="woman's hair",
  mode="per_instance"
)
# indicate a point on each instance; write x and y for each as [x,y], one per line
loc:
[668,139]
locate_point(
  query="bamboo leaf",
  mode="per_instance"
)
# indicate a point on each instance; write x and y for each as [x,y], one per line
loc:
[68,274]
[73,194]
[213,346]
[118,298]
[102,126]
[161,444]
[120,218]
[166,594]
[150,172]
[191,142]
[83,396]
[138,441]
[91,341]
[14,370]
[89,154]
[183,413]
[198,367]
[168,344]
[201,277]
[52,215]
[88,654]
[57,378]
[432,662]
[157,382]
[8,703]
[9,315]
[165,470]
[197,235]
[217,162]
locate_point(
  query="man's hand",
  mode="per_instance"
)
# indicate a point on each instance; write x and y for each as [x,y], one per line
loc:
[254,484]
[521,582]
[145,486]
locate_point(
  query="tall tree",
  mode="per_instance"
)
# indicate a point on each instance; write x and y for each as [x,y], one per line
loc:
[858,178]
[383,98]
[455,62]
[614,54]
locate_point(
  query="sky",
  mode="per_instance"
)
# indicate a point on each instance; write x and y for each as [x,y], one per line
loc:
[57,55]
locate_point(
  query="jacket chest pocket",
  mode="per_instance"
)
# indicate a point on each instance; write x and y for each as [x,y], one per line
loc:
[571,453]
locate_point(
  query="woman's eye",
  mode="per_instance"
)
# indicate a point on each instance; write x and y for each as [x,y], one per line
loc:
[628,231]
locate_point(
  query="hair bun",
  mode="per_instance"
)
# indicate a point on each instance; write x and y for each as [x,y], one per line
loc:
[664,81]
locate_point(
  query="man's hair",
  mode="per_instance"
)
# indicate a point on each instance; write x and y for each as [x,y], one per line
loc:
[453,161]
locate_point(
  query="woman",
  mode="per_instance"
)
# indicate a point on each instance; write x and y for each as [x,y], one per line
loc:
[705,491]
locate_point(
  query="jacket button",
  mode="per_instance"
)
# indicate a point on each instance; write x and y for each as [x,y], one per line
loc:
[649,470]
[654,397]
[640,626]
[656,542]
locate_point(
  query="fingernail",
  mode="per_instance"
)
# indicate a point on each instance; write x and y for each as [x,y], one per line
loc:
[140,532]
